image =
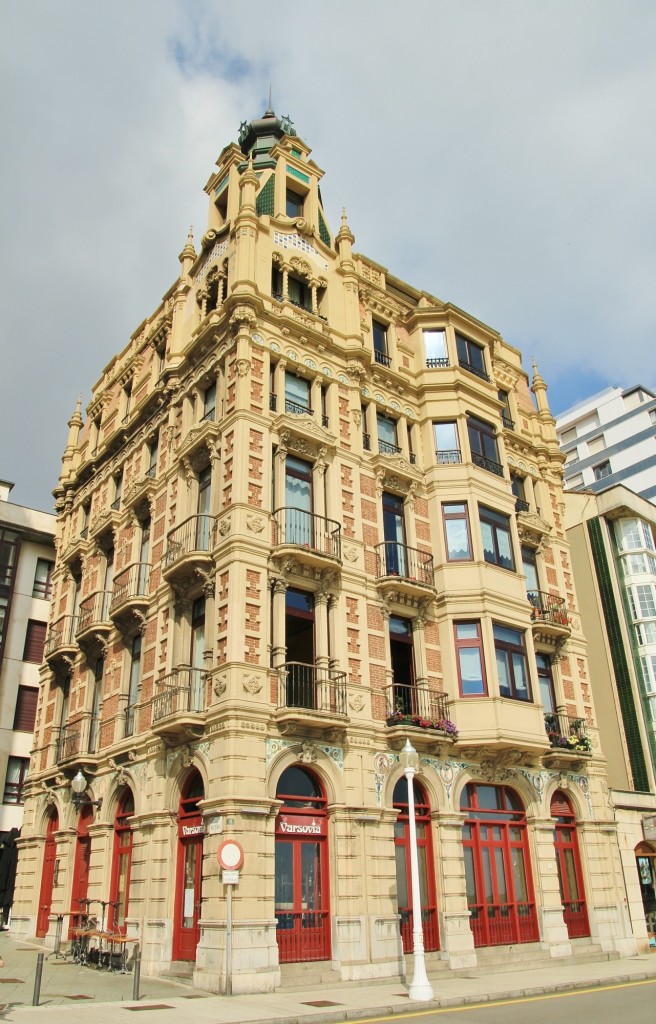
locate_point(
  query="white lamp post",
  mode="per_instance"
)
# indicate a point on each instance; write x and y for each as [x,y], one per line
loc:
[78,788]
[420,987]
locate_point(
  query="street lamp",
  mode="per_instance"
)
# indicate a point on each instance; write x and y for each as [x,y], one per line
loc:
[79,786]
[420,987]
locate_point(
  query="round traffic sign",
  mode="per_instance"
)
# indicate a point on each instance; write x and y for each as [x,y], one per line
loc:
[230,855]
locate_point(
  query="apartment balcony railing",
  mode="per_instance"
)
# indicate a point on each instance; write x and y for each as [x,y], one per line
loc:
[398,560]
[508,423]
[567,733]
[439,363]
[549,613]
[94,612]
[489,464]
[61,638]
[273,403]
[382,358]
[297,408]
[78,739]
[191,541]
[366,441]
[408,701]
[308,531]
[449,457]
[180,693]
[133,582]
[473,369]
[521,505]
[386,448]
[316,688]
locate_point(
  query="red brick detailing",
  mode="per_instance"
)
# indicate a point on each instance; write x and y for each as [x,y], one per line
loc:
[252,583]
[374,618]
[347,501]
[352,610]
[548,555]
[422,529]
[369,535]
[255,495]
[552,578]
[568,690]
[376,647]
[354,670]
[370,562]
[353,636]
[349,526]
[367,485]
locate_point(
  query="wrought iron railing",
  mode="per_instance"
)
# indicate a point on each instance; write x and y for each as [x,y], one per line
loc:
[394,559]
[79,738]
[507,421]
[94,609]
[382,358]
[195,534]
[297,408]
[521,505]
[131,582]
[450,457]
[407,700]
[434,364]
[366,441]
[315,687]
[182,691]
[566,732]
[61,634]
[273,403]
[501,924]
[548,608]
[306,530]
[473,369]
[387,448]
[489,464]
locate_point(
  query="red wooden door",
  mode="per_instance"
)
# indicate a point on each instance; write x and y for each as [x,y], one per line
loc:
[80,886]
[570,875]
[47,876]
[189,872]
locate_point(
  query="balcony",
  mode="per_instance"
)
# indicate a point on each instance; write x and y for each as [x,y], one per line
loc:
[488,464]
[178,707]
[415,712]
[317,538]
[387,448]
[473,369]
[94,622]
[78,743]
[452,457]
[382,358]
[568,738]
[509,731]
[311,699]
[142,490]
[189,548]
[60,647]
[403,569]
[549,617]
[521,505]
[199,442]
[130,595]
[508,423]
[438,363]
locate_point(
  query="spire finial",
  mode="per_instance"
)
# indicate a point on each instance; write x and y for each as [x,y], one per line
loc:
[269,110]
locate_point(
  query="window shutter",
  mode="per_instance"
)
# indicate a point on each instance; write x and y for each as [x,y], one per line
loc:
[35,639]
[25,714]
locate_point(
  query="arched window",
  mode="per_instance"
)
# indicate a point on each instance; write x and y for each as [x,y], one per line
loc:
[497,866]
[121,862]
[301,886]
[426,867]
[568,861]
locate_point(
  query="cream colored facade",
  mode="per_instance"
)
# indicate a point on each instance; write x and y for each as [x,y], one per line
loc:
[263,453]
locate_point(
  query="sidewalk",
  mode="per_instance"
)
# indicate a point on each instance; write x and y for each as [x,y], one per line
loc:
[68,992]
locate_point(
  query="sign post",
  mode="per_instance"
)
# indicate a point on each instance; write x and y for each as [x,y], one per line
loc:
[230,856]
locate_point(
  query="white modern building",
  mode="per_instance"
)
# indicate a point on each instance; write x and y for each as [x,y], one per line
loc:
[27,556]
[610,438]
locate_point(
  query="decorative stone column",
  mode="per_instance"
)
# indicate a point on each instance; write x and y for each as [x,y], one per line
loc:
[456,936]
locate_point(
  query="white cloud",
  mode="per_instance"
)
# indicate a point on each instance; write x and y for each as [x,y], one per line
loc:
[498,155]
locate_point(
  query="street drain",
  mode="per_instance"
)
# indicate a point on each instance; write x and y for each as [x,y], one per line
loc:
[321,1002]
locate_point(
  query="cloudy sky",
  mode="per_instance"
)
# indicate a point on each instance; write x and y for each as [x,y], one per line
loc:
[500,154]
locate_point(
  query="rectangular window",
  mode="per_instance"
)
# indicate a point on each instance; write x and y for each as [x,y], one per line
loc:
[381,354]
[646,633]
[483,445]
[602,470]
[43,578]
[506,418]
[530,567]
[297,394]
[153,454]
[471,356]
[511,663]
[456,532]
[118,489]
[596,445]
[294,202]
[366,436]
[518,488]
[35,638]
[435,349]
[470,660]
[648,662]
[17,769]
[545,682]
[134,685]
[126,401]
[645,605]
[298,293]
[447,445]
[387,438]
[497,545]
[25,713]
[8,556]
[209,403]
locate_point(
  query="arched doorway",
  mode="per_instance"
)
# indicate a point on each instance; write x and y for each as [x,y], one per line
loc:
[302,904]
[189,873]
[47,875]
[426,866]
[568,860]
[121,862]
[80,886]
[646,864]
[497,866]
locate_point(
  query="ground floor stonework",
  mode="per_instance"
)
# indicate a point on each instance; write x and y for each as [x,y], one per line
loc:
[508,853]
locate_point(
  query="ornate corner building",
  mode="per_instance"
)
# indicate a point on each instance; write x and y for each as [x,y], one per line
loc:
[313,511]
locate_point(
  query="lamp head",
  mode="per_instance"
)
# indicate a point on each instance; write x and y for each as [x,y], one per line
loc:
[79,783]
[409,757]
